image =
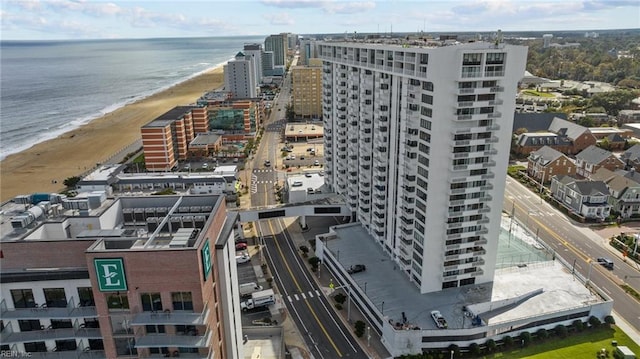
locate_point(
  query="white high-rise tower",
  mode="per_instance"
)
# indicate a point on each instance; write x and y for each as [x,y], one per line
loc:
[417,141]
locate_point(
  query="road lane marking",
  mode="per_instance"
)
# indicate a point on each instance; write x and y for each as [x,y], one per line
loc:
[295,281]
[290,299]
[310,294]
[296,296]
[303,296]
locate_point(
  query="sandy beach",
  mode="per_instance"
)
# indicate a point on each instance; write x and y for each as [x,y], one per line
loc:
[74,152]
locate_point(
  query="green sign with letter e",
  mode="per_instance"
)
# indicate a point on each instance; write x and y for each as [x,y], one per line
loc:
[110,274]
[206,259]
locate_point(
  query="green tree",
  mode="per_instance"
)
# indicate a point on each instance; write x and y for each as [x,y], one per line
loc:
[289,113]
[359,326]
[72,182]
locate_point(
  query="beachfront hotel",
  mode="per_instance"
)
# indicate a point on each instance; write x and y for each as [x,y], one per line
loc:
[165,140]
[240,77]
[417,141]
[128,277]
[278,44]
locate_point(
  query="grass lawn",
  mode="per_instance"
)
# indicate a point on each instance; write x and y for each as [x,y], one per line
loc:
[537,93]
[581,345]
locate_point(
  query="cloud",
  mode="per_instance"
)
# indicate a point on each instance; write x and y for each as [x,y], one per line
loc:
[280,19]
[330,7]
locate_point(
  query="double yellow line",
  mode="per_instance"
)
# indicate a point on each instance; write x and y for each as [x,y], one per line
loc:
[324,330]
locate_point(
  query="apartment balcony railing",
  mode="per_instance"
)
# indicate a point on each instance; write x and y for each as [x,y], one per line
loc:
[179,341]
[69,354]
[169,318]
[70,311]
[8,336]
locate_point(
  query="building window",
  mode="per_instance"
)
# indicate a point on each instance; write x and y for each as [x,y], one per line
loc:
[155,329]
[427,86]
[126,346]
[151,302]
[61,323]
[182,301]
[55,297]
[66,345]
[35,347]
[186,330]
[471,59]
[29,325]
[117,301]
[85,297]
[428,99]
[22,298]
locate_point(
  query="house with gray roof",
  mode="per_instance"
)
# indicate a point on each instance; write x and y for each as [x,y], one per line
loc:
[548,162]
[631,158]
[564,136]
[586,198]
[589,160]
[624,192]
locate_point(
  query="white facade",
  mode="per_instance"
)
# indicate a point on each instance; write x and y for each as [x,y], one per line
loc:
[239,77]
[417,141]
[254,52]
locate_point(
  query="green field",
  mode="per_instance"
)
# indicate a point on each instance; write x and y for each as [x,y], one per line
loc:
[577,345]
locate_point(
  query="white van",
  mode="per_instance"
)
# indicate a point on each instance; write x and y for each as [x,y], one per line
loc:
[247,288]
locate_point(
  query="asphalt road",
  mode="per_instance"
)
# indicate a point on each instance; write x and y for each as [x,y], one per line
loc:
[577,245]
[320,326]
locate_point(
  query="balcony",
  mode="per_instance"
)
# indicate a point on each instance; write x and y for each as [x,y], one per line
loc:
[179,341]
[79,354]
[497,89]
[169,318]
[38,313]
[7,336]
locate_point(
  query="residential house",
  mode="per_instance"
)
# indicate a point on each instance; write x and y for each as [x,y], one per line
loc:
[592,158]
[588,199]
[628,116]
[631,158]
[547,162]
[624,192]
[562,135]
[580,136]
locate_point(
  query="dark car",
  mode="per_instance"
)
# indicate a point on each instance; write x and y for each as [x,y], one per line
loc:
[356,268]
[241,246]
[605,262]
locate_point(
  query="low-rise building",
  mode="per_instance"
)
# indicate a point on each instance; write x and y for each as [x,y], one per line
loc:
[587,198]
[589,160]
[624,191]
[547,162]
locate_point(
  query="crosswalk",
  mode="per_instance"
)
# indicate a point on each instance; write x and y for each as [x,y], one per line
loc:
[303,296]
[262,170]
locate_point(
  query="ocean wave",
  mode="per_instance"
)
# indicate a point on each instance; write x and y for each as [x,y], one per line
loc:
[12,148]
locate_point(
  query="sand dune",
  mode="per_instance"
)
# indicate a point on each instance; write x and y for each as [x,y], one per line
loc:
[35,169]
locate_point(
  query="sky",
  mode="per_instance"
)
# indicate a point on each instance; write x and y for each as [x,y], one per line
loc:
[89,19]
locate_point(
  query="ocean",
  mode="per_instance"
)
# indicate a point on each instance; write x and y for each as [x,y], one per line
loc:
[51,87]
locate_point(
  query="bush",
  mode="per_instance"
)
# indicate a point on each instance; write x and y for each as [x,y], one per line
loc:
[338,306]
[609,320]
[542,334]
[359,325]
[508,341]
[491,345]
[594,321]
[525,338]
[578,325]
[340,298]
[455,349]
[560,330]
[474,348]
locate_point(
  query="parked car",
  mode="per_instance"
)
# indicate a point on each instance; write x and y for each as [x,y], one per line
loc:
[439,319]
[243,258]
[267,163]
[241,246]
[605,262]
[316,163]
[356,268]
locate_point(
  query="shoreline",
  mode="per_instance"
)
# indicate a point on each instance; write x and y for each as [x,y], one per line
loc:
[44,166]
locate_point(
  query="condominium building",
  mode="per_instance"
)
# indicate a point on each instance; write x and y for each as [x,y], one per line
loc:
[239,77]
[308,50]
[417,141]
[306,83]
[278,44]
[254,52]
[165,140]
[135,277]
